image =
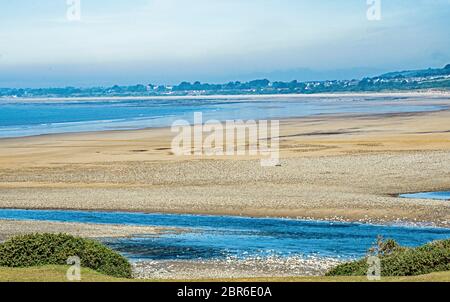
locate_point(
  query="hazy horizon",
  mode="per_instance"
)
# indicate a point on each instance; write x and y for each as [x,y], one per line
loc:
[216,41]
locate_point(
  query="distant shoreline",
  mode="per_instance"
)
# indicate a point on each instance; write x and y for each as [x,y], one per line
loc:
[422,100]
[441,93]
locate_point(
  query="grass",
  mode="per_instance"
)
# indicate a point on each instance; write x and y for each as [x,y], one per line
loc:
[50,273]
[54,273]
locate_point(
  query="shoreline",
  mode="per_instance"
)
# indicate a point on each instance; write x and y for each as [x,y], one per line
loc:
[12,227]
[282,120]
[234,268]
[440,93]
[345,167]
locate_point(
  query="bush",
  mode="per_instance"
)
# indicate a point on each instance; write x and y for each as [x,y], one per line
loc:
[401,261]
[385,247]
[55,249]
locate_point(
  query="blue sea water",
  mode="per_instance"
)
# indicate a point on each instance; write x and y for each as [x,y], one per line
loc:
[216,237]
[26,118]
[439,195]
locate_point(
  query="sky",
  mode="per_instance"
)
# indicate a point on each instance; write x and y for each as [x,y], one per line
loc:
[43,43]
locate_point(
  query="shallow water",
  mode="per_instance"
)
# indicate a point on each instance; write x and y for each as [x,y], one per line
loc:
[440,195]
[217,237]
[21,118]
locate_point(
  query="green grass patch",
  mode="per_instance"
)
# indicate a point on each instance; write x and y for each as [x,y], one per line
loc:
[54,249]
[400,261]
[57,273]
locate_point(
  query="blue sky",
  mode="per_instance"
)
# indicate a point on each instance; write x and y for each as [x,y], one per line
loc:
[167,41]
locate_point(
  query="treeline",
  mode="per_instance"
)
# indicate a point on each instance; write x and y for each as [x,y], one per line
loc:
[403,80]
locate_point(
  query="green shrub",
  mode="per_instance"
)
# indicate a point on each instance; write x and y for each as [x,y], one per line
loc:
[401,261]
[55,249]
[385,247]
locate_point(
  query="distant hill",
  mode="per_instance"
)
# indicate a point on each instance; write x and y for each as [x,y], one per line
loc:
[430,72]
[424,79]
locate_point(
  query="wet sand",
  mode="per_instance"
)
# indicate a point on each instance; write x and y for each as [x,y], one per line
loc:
[333,167]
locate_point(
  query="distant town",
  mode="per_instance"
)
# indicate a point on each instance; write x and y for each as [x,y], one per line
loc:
[425,79]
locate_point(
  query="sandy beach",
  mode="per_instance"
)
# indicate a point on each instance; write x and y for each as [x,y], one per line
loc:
[341,167]
[9,228]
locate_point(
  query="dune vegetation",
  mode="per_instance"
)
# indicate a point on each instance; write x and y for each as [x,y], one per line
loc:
[36,250]
[396,260]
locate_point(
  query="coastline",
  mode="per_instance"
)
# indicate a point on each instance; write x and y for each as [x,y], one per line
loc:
[433,93]
[406,105]
[347,168]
